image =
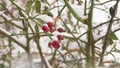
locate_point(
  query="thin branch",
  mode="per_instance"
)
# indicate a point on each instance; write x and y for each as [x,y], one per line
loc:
[81,49]
[7,34]
[98,26]
[104,2]
[108,32]
[7,10]
[105,36]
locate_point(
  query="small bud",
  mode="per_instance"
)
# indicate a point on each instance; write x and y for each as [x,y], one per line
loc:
[111,10]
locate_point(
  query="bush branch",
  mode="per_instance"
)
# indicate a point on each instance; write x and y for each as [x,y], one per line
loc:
[108,32]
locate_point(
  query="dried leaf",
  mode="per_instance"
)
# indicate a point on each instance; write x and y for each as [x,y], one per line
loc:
[28,6]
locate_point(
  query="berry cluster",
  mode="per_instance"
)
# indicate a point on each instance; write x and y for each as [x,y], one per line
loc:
[54,44]
[50,27]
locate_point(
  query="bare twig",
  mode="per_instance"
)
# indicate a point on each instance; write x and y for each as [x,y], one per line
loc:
[105,36]
[104,2]
[7,34]
[98,26]
[108,32]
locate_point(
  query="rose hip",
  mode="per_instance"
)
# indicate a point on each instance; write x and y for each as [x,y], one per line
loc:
[60,30]
[50,44]
[60,37]
[55,44]
[45,28]
[50,24]
[52,30]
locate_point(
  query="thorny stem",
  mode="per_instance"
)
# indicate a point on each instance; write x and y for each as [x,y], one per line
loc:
[107,33]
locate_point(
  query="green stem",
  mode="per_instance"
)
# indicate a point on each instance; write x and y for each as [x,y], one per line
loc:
[73,12]
[53,57]
[2,31]
[9,22]
[74,38]
[61,55]
[90,46]
[36,38]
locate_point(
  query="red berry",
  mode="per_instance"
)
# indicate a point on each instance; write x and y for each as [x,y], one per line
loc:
[60,30]
[55,44]
[50,24]
[60,37]
[52,30]
[45,28]
[49,44]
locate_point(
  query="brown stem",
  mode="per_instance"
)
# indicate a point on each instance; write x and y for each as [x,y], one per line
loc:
[107,33]
[85,7]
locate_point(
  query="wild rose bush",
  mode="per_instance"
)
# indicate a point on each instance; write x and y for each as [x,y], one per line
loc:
[64,34]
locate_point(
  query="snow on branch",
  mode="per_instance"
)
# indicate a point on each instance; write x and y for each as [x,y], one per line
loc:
[7,34]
